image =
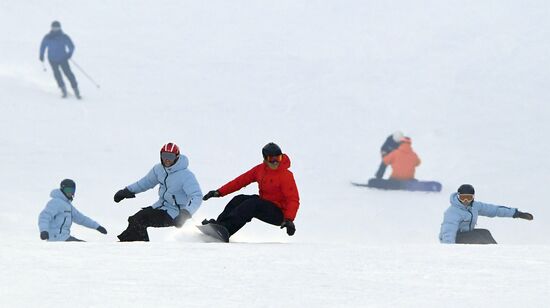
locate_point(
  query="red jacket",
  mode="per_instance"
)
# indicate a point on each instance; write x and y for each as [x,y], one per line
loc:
[277,186]
[403,161]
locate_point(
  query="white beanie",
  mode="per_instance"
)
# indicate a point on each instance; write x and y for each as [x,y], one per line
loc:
[397,136]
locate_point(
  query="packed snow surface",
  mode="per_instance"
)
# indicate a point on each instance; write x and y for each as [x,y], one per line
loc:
[326,80]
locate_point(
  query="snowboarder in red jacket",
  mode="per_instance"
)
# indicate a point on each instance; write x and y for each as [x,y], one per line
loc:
[277,202]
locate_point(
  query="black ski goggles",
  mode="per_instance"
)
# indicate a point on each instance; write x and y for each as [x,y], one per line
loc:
[168,156]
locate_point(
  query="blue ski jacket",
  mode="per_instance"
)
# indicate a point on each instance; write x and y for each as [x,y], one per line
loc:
[178,190]
[59,45]
[58,216]
[461,218]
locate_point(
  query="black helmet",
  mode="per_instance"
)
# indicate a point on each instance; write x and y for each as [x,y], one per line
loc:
[68,188]
[271,149]
[56,24]
[466,189]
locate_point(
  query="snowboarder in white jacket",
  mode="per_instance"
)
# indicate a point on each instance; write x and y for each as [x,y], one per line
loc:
[460,218]
[57,217]
[180,195]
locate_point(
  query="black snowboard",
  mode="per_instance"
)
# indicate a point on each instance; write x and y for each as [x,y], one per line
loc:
[215,231]
[412,185]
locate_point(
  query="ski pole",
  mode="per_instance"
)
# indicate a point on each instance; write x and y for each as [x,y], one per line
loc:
[85,74]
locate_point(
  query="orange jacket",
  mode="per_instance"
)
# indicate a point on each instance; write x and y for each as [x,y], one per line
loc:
[403,161]
[277,186]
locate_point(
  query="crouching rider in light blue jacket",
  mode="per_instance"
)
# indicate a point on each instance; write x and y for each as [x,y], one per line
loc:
[180,195]
[460,218]
[57,217]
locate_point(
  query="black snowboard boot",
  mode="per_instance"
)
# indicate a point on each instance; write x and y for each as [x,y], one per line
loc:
[63,92]
[209,221]
[77,93]
[216,231]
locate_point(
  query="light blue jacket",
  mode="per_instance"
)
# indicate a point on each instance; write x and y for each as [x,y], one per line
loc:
[58,216]
[461,218]
[178,189]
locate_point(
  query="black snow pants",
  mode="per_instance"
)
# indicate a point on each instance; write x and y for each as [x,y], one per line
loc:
[476,236]
[139,222]
[242,208]
[381,170]
[66,68]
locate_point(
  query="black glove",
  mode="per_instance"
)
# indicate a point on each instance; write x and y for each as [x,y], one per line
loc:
[41,59]
[289,225]
[123,194]
[210,194]
[181,218]
[102,230]
[523,215]
[44,235]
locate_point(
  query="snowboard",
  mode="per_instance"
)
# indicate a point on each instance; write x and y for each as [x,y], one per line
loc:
[215,231]
[412,185]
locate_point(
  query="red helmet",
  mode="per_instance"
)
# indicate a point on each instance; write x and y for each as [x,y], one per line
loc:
[171,148]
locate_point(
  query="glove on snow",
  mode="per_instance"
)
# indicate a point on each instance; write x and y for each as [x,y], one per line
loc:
[210,194]
[289,225]
[123,194]
[44,235]
[523,215]
[102,230]
[181,218]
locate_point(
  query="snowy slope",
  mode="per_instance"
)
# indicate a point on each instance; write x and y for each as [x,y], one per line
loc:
[328,81]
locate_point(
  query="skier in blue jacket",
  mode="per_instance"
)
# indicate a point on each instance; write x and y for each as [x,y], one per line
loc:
[460,218]
[179,195]
[60,49]
[57,217]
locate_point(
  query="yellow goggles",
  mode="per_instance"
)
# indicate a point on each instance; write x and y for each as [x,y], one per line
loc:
[466,197]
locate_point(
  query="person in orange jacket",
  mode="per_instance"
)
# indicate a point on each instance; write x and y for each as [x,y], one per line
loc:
[277,203]
[403,161]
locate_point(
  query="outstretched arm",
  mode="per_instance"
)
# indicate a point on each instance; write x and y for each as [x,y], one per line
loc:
[492,210]
[83,220]
[239,182]
[523,215]
[147,182]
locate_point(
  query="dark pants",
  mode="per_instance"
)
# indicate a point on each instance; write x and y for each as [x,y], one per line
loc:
[139,222]
[242,208]
[476,236]
[64,65]
[380,173]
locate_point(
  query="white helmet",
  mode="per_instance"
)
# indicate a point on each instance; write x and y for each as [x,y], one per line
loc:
[397,136]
